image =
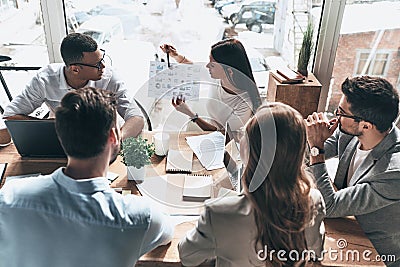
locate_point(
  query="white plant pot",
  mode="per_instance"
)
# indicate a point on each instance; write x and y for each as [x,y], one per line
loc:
[135,174]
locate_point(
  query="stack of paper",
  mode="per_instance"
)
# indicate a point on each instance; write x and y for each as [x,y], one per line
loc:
[197,187]
[209,149]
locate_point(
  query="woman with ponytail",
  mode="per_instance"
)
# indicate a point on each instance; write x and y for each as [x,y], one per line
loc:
[278,210]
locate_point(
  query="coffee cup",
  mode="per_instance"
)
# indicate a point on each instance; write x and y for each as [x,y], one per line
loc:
[161,143]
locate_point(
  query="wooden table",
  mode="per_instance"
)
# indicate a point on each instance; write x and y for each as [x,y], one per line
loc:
[336,229]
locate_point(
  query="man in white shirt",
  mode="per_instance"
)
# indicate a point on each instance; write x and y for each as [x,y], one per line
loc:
[72,217]
[83,66]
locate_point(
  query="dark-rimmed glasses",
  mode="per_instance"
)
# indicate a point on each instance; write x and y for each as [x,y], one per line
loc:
[338,114]
[98,65]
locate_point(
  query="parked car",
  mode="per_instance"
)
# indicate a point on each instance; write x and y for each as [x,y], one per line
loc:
[75,19]
[230,12]
[220,4]
[103,29]
[255,15]
[128,16]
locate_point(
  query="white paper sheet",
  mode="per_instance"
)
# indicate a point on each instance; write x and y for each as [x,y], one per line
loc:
[209,149]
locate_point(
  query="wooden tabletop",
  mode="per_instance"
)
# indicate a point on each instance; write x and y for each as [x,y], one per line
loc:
[344,237]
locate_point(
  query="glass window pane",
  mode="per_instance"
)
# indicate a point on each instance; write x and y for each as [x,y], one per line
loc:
[361,33]
[22,39]
[192,26]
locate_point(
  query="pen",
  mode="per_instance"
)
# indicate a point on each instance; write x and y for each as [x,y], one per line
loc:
[169,65]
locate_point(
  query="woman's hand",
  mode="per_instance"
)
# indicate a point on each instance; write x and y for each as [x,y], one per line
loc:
[180,105]
[166,48]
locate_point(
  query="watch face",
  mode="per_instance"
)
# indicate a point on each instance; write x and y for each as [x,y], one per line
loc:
[314,151]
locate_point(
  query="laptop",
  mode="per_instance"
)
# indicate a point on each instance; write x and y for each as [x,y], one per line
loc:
[232,160]
[35,138]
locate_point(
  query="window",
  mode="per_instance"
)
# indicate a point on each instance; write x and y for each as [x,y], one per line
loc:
[22,38]
[354,36]
[378,64]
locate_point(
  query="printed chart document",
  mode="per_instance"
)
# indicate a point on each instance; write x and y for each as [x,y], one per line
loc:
[179,79]
[197,187]
[209,149]
[179,161]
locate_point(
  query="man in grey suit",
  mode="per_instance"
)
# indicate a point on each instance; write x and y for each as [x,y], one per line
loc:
[367,144]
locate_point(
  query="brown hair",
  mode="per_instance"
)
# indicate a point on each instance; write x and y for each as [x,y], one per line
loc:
[231,53]
[84,121]
[281,201]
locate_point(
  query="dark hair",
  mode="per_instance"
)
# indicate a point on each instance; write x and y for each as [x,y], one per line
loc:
[84,121]
[282,201]
[372,98]
[231,53]
[73,46]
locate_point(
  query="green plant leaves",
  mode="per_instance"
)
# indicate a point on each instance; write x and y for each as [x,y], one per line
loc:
[136,151]
[306,47]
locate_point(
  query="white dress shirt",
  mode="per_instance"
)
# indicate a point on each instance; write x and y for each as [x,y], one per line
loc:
[49,86]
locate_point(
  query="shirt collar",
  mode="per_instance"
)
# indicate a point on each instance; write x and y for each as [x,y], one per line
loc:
[63,82]
[86,186]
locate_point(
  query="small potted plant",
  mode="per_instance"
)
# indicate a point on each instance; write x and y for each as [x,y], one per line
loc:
[305,50]
[136,153]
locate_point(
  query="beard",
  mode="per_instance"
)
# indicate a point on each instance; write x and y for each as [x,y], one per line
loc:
[114,154]
[348,132]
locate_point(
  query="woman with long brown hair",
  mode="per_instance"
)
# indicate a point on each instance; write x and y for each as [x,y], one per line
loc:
[236,97]
[278,210]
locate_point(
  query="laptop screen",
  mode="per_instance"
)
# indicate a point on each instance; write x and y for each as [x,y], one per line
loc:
[232,160]
[35,138]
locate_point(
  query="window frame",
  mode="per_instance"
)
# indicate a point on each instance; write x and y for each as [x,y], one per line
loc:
[373,61]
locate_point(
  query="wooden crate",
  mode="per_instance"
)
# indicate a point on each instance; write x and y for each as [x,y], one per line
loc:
[303,97]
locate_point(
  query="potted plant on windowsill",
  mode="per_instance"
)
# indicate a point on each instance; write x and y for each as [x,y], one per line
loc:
[305,50]
[136,153]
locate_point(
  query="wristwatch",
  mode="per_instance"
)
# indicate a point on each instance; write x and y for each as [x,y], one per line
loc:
[315,151]
[194,118]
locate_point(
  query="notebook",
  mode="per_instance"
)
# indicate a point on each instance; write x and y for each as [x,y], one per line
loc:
[197,187]
[35,138]
[179,161]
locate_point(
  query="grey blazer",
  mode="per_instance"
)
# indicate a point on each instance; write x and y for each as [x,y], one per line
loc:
[374,194]
[227,232]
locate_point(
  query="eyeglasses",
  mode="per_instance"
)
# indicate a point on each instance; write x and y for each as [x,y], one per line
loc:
[98,65]
[337,114]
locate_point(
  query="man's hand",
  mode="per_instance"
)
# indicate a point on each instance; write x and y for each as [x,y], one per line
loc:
[319,128]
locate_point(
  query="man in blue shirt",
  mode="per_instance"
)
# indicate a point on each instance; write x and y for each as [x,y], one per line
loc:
[72,217]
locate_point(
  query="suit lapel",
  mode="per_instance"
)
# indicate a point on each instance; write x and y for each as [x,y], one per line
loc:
[344,163]
[380,150]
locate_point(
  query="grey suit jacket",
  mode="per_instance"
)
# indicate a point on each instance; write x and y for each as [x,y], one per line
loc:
[227,231]
[374,193]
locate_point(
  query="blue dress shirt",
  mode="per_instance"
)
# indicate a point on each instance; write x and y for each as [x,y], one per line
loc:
[54,220]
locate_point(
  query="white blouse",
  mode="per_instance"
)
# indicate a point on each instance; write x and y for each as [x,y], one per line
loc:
[224,107]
